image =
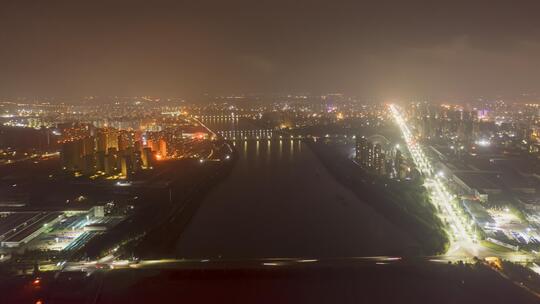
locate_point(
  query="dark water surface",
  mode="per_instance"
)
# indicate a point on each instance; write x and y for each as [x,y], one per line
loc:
[279,201]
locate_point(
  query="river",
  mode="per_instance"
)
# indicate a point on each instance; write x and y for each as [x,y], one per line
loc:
[279,201]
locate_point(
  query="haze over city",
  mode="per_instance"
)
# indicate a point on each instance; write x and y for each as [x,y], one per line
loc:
[453,50]
[269,151]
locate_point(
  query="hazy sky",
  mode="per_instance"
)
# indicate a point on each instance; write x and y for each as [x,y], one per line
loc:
[439,49]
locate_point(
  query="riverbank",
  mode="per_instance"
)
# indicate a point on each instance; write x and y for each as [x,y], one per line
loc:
[188,193]
[403,204]
[162,213]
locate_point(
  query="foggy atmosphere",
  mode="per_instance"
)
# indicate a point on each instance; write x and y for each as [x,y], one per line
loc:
[269,151]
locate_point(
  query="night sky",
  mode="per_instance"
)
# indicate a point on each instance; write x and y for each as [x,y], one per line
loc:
[378,49]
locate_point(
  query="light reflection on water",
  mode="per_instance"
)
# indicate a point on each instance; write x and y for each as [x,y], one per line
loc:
[259,151]
[268,150]
[279,201]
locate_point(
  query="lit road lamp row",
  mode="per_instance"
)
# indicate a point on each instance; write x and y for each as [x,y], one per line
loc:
[436,187]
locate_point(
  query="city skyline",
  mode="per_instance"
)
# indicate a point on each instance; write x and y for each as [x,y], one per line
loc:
[266,151]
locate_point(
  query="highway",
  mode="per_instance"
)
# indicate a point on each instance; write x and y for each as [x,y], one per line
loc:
[463,242]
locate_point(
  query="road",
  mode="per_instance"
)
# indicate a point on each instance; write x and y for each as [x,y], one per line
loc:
[463,242]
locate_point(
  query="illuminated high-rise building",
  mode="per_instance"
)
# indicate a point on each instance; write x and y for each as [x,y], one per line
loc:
[123,142]
[126,166]
[100,153]
[368,155]
[138,146]
[163,148]
[100,161]
[136,161]
[89,164]
[399,165]
[150,144]
[146,157]
[89,145]
[111,162]
[101,141]
[379,160]
[112,139]
[364,152]
[70,155]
